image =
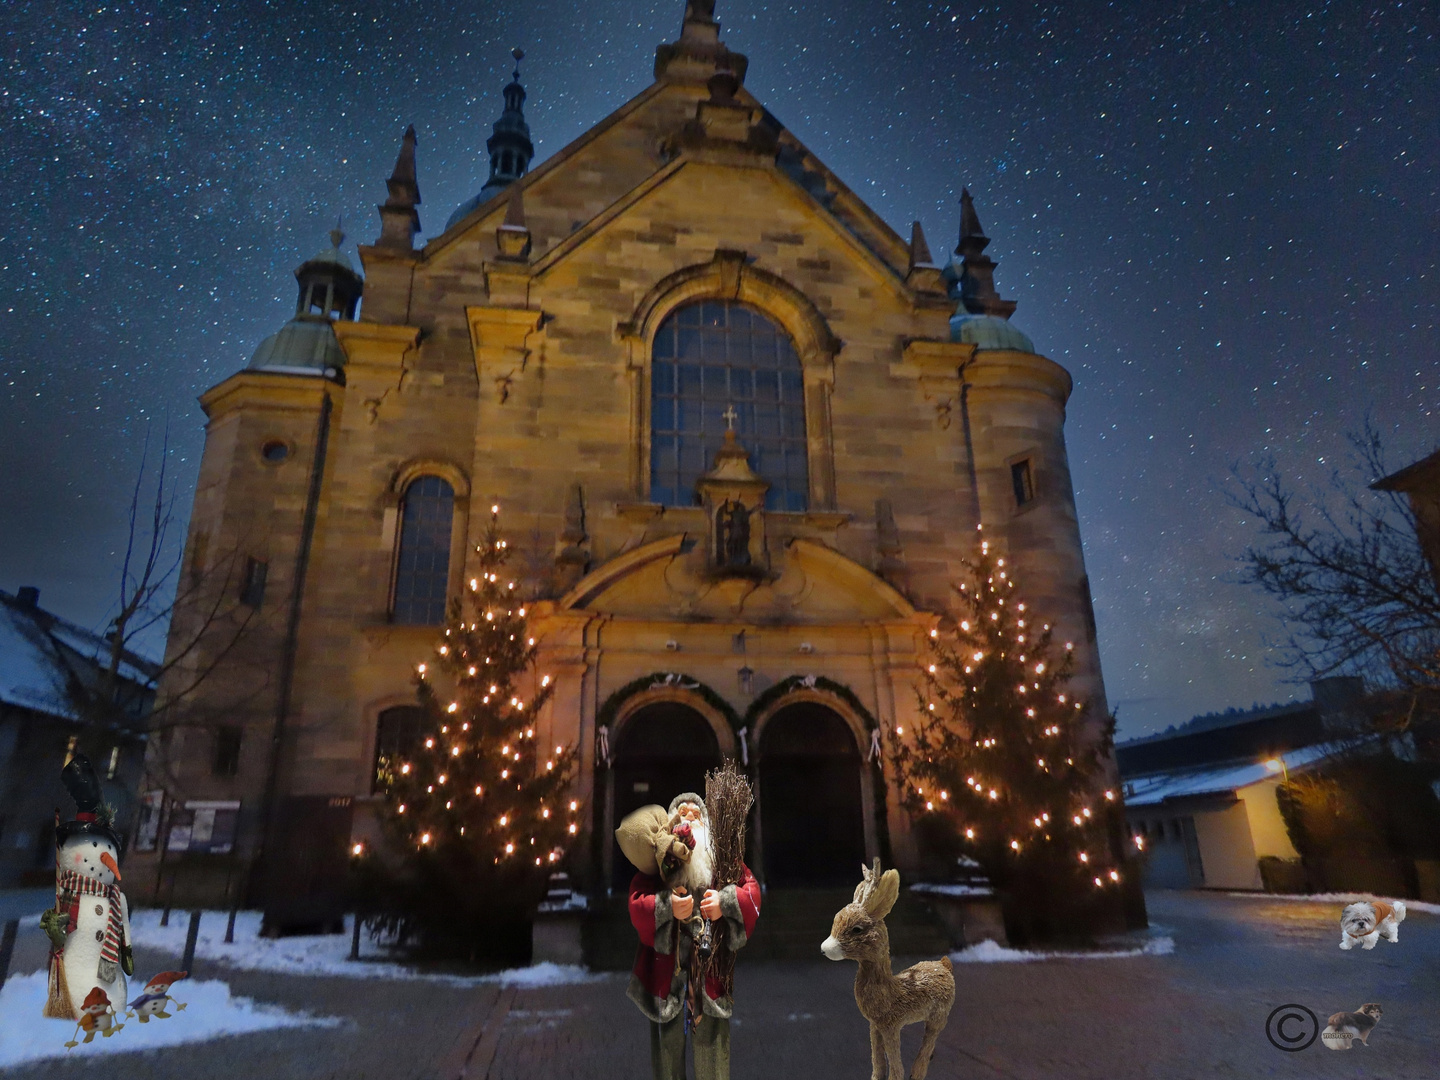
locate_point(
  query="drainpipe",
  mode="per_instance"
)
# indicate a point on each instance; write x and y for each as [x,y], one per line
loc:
[268,800]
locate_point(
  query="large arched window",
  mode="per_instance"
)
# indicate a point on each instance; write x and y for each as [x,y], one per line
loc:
[422,572]
[708,357]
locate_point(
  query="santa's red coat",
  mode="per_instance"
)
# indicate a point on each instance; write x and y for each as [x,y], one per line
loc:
[657,983]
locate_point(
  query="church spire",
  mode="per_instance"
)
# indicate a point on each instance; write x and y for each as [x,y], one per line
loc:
[977,270]
[510,148]
[399,220]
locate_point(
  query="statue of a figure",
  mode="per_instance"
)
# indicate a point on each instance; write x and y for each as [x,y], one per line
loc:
[732,534]
[702,9]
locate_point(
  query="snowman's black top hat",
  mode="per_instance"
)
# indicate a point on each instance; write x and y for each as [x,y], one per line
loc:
[92,816]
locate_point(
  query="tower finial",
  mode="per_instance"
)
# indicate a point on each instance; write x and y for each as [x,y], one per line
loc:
[510,148]
[337,234]
[700,11]
[399,220]
[977,270]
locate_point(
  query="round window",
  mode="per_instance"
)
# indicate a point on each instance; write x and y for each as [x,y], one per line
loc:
[275,451]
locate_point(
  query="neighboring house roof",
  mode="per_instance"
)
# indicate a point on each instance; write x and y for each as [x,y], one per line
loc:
[1156,788]
[1423,472]
[1212,740]
[28,673]
[35,647]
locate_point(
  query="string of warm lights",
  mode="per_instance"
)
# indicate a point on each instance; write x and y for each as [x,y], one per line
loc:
[996,722]
[482,776]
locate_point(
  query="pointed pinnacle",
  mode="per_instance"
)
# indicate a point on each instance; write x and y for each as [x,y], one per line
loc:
[972,237]
[337,234]
[405,160]
[919,249]
[969,220]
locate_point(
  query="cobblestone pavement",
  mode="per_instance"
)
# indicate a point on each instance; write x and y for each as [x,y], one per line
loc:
[1197,1013]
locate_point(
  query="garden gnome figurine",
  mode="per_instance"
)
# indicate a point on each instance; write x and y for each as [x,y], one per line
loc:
[89,928]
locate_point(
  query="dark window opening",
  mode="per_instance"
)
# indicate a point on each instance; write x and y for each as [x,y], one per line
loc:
[709,358]
[397,733]
[275,451]
[252,584]
[422,573]
[1087,607]
[198,551]
[1023,480]
[227,751]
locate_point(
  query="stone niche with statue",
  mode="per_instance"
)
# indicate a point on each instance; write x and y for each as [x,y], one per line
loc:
[733,498]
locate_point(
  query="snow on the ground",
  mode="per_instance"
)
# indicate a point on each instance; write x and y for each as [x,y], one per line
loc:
[320,954]
[990,952]
[210,1013]
[926,889]
[1341,898]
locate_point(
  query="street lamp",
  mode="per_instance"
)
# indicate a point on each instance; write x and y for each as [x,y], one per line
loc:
[1277,764]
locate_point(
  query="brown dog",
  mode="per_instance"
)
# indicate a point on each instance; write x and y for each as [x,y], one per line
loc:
[1358,1023]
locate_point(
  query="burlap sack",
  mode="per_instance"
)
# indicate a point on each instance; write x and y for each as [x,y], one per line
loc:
[639,837]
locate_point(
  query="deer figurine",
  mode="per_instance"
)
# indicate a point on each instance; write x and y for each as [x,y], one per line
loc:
[925,991]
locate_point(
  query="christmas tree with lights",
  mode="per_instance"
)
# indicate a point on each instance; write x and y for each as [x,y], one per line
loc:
[1006,766]
[479,807]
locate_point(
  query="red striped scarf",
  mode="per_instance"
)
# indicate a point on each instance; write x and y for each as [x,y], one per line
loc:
[70,887]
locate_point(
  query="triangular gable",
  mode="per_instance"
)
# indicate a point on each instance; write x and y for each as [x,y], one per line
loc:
[860,225]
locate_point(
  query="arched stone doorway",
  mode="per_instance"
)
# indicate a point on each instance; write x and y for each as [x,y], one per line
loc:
[811,800]
[663,749]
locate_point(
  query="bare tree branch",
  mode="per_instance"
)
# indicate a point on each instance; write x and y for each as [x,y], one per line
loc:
[1348,575]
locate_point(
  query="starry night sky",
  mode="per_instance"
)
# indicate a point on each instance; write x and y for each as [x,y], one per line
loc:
[1221,217]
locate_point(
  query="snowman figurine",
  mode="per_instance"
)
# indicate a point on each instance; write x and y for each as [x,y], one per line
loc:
[96,1014]
[89,928]
[153,998]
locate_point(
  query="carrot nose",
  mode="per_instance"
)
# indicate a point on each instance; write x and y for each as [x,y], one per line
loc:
[109,861]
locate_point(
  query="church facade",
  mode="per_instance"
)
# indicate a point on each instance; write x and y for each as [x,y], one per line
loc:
[740,432]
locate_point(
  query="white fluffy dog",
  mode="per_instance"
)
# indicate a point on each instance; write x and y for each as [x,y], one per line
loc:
[1368,921]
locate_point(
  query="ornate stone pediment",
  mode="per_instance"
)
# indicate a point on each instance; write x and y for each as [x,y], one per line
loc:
[808,583]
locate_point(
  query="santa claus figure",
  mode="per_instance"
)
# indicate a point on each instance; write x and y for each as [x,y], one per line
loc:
[680,915]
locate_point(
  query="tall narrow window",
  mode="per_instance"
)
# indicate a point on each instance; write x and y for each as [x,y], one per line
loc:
[422,573]
[708,357]
[252,582]
[1023,481]
[226,761]
[396,735]
[199,548]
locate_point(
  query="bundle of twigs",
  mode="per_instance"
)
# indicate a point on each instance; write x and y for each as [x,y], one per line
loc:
[728,799]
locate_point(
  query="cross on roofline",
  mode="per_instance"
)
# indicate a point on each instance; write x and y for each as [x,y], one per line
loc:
[730,416]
